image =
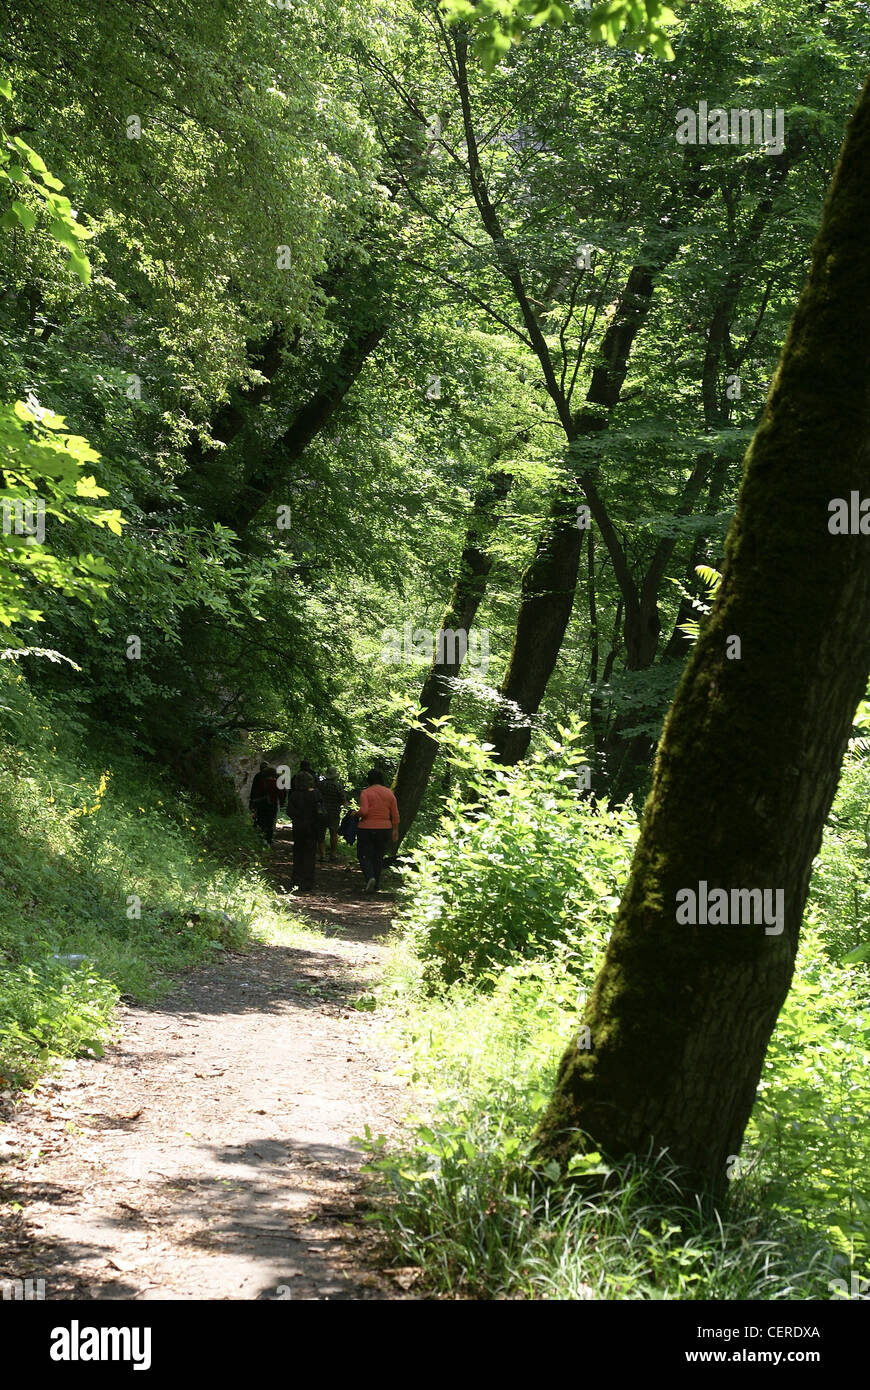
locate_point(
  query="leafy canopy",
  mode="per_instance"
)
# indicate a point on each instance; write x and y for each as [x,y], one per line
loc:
[639,24]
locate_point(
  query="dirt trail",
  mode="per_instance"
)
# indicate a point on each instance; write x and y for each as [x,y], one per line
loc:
[207,1155]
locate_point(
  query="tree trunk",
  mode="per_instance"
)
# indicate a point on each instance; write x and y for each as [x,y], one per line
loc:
[269,472]
[748,764]
[547,598]
[420,751]
[550,582]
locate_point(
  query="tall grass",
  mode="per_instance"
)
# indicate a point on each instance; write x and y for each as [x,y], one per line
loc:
[103,858]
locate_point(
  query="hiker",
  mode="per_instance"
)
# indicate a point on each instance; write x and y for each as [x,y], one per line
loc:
[266,796]
[305,809]
[378,824]
[304,766]
[333,796]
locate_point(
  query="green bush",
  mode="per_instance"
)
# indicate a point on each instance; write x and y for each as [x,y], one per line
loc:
[809,1126]
[460,1198]
[48,1009]
[840,889]
[459,1195]
[808,1131]
[519,862]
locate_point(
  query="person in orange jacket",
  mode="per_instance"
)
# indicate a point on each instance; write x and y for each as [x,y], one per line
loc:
[378,826]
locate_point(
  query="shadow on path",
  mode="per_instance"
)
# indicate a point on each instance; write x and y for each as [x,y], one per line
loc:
[208,1154]
[337,902]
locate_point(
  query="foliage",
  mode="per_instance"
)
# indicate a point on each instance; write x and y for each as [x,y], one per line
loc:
[859,743]
[460,1197]
[639,24]
[106,863]
[298,180]
[271,128]
[41,465]
[519,862]
[27,174]
[712,579]
[809,1125]
[462,1211]
[40,460]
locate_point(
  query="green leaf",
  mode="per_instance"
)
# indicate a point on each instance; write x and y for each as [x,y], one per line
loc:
[62,232]
[859,954]
[82,267]
[26,216]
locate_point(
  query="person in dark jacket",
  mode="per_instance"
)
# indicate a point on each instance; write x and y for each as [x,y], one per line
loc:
[333,796]
[266,796]
[304,809]
[304,767]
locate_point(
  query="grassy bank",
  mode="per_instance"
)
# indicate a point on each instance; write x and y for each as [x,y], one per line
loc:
[461,1200]
[102,858]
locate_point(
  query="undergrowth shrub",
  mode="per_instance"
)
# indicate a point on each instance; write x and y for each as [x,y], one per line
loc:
[519,862]
[478,1222]
[460,1197]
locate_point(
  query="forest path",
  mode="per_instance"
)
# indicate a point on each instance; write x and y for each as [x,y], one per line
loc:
[207,1154]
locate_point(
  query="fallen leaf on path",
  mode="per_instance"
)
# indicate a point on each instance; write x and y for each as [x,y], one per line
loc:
[405,1277]
[134,1211]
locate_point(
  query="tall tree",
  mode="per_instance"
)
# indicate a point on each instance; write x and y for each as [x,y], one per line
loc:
[549,582]
[682,1012]
[420,751]
[529,284]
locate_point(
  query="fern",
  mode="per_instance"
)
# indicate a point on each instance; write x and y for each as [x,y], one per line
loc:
[712,579]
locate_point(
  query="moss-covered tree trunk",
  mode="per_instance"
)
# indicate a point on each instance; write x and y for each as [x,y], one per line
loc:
[681,1014]
[420,751]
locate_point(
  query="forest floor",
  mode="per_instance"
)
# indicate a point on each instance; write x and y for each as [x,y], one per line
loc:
[207,1155]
